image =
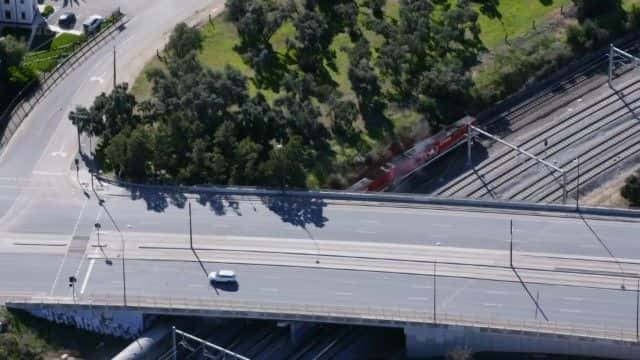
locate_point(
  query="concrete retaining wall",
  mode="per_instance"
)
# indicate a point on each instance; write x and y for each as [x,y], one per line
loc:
[426,341]
[120,323]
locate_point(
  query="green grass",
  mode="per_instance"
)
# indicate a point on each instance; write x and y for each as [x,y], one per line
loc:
[221,37]
[31,337]
[517,18]
[66,39]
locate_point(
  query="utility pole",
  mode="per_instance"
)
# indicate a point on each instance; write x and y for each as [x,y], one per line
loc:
[511,244]
[637,309]
[578,186]
[114,67]
[190,228]
[98,226]
[434,292]
[611,54]
[469,144]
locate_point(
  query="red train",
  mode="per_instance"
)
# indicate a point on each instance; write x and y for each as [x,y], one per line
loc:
[404,163]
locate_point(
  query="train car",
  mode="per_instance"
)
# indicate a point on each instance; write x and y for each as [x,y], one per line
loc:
[423,151]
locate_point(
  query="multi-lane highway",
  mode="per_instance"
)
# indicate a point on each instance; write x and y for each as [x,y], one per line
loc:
[574,269]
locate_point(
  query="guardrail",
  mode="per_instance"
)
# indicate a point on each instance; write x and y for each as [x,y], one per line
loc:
[364,315]
[27,99]
[381,197]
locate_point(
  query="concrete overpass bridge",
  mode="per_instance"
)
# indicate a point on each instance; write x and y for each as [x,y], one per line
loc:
[441,269]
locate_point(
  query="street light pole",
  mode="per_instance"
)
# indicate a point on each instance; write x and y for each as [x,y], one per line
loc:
[190,228]
[637,309]
[578,186]
[114,67]
[98,226]
[434,292]
[511,244]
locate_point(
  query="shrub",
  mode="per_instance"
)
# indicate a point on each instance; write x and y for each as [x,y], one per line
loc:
[588,9]
[514,67]
[634,17]
[48,10]
[631,189]
[587,36]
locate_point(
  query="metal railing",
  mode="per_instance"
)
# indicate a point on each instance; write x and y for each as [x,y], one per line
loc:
[22,105]
[363,315]
[195,345]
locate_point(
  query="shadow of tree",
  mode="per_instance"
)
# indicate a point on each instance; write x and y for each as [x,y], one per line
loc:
[158,200]
[297,211]
[217,203]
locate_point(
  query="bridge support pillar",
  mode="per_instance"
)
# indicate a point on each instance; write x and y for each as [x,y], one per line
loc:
[298,331]
[429,341]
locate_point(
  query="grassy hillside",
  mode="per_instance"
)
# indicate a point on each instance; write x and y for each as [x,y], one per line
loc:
[221,37]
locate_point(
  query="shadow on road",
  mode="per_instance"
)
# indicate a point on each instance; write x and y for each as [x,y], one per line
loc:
[297,211]
[228,287]
[534,299]
[604,245]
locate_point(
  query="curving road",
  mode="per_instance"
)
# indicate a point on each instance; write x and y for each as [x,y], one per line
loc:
[568,268]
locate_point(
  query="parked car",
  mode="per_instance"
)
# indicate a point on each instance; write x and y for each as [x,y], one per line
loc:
[67,20]
[222,276]
[92,24]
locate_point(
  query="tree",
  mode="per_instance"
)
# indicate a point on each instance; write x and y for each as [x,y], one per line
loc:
[246,163]
[311,42]
[113,112]
[12,75]
[588,9]
[345,113]
[284,167]
[236,9]
[183,40]
[130,153]
[631,189]
[377,7]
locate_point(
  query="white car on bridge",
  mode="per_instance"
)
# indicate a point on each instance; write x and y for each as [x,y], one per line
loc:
[222,276]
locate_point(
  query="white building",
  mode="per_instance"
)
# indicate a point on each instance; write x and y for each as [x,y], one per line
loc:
[18,12]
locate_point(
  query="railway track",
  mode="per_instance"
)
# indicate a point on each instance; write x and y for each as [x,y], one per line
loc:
[581,77]
[577,138]
[542,186]
[474,181]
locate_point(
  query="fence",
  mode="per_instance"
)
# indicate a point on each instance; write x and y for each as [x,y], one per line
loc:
[22,105]
[364,315]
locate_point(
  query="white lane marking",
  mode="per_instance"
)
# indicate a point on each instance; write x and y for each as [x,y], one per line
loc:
[272,277]
[48,173]
[497,292]
[99,79]
[572,311]
[343,293]
[365,232]
[75,228]
[417,298]
[421,286]
[125,41]
[87,275]
[572,298]
[269,289]
[370,221]
[492,305]
[344,281]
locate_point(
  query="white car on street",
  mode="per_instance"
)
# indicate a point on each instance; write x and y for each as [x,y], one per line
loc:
[222,276]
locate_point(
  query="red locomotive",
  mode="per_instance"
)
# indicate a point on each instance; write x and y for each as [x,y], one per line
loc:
[403,164]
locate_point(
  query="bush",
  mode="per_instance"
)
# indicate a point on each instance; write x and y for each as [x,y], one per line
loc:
[589,9]
[586,36]
[634,17]
[48,10]
[514,67]
[631,189]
